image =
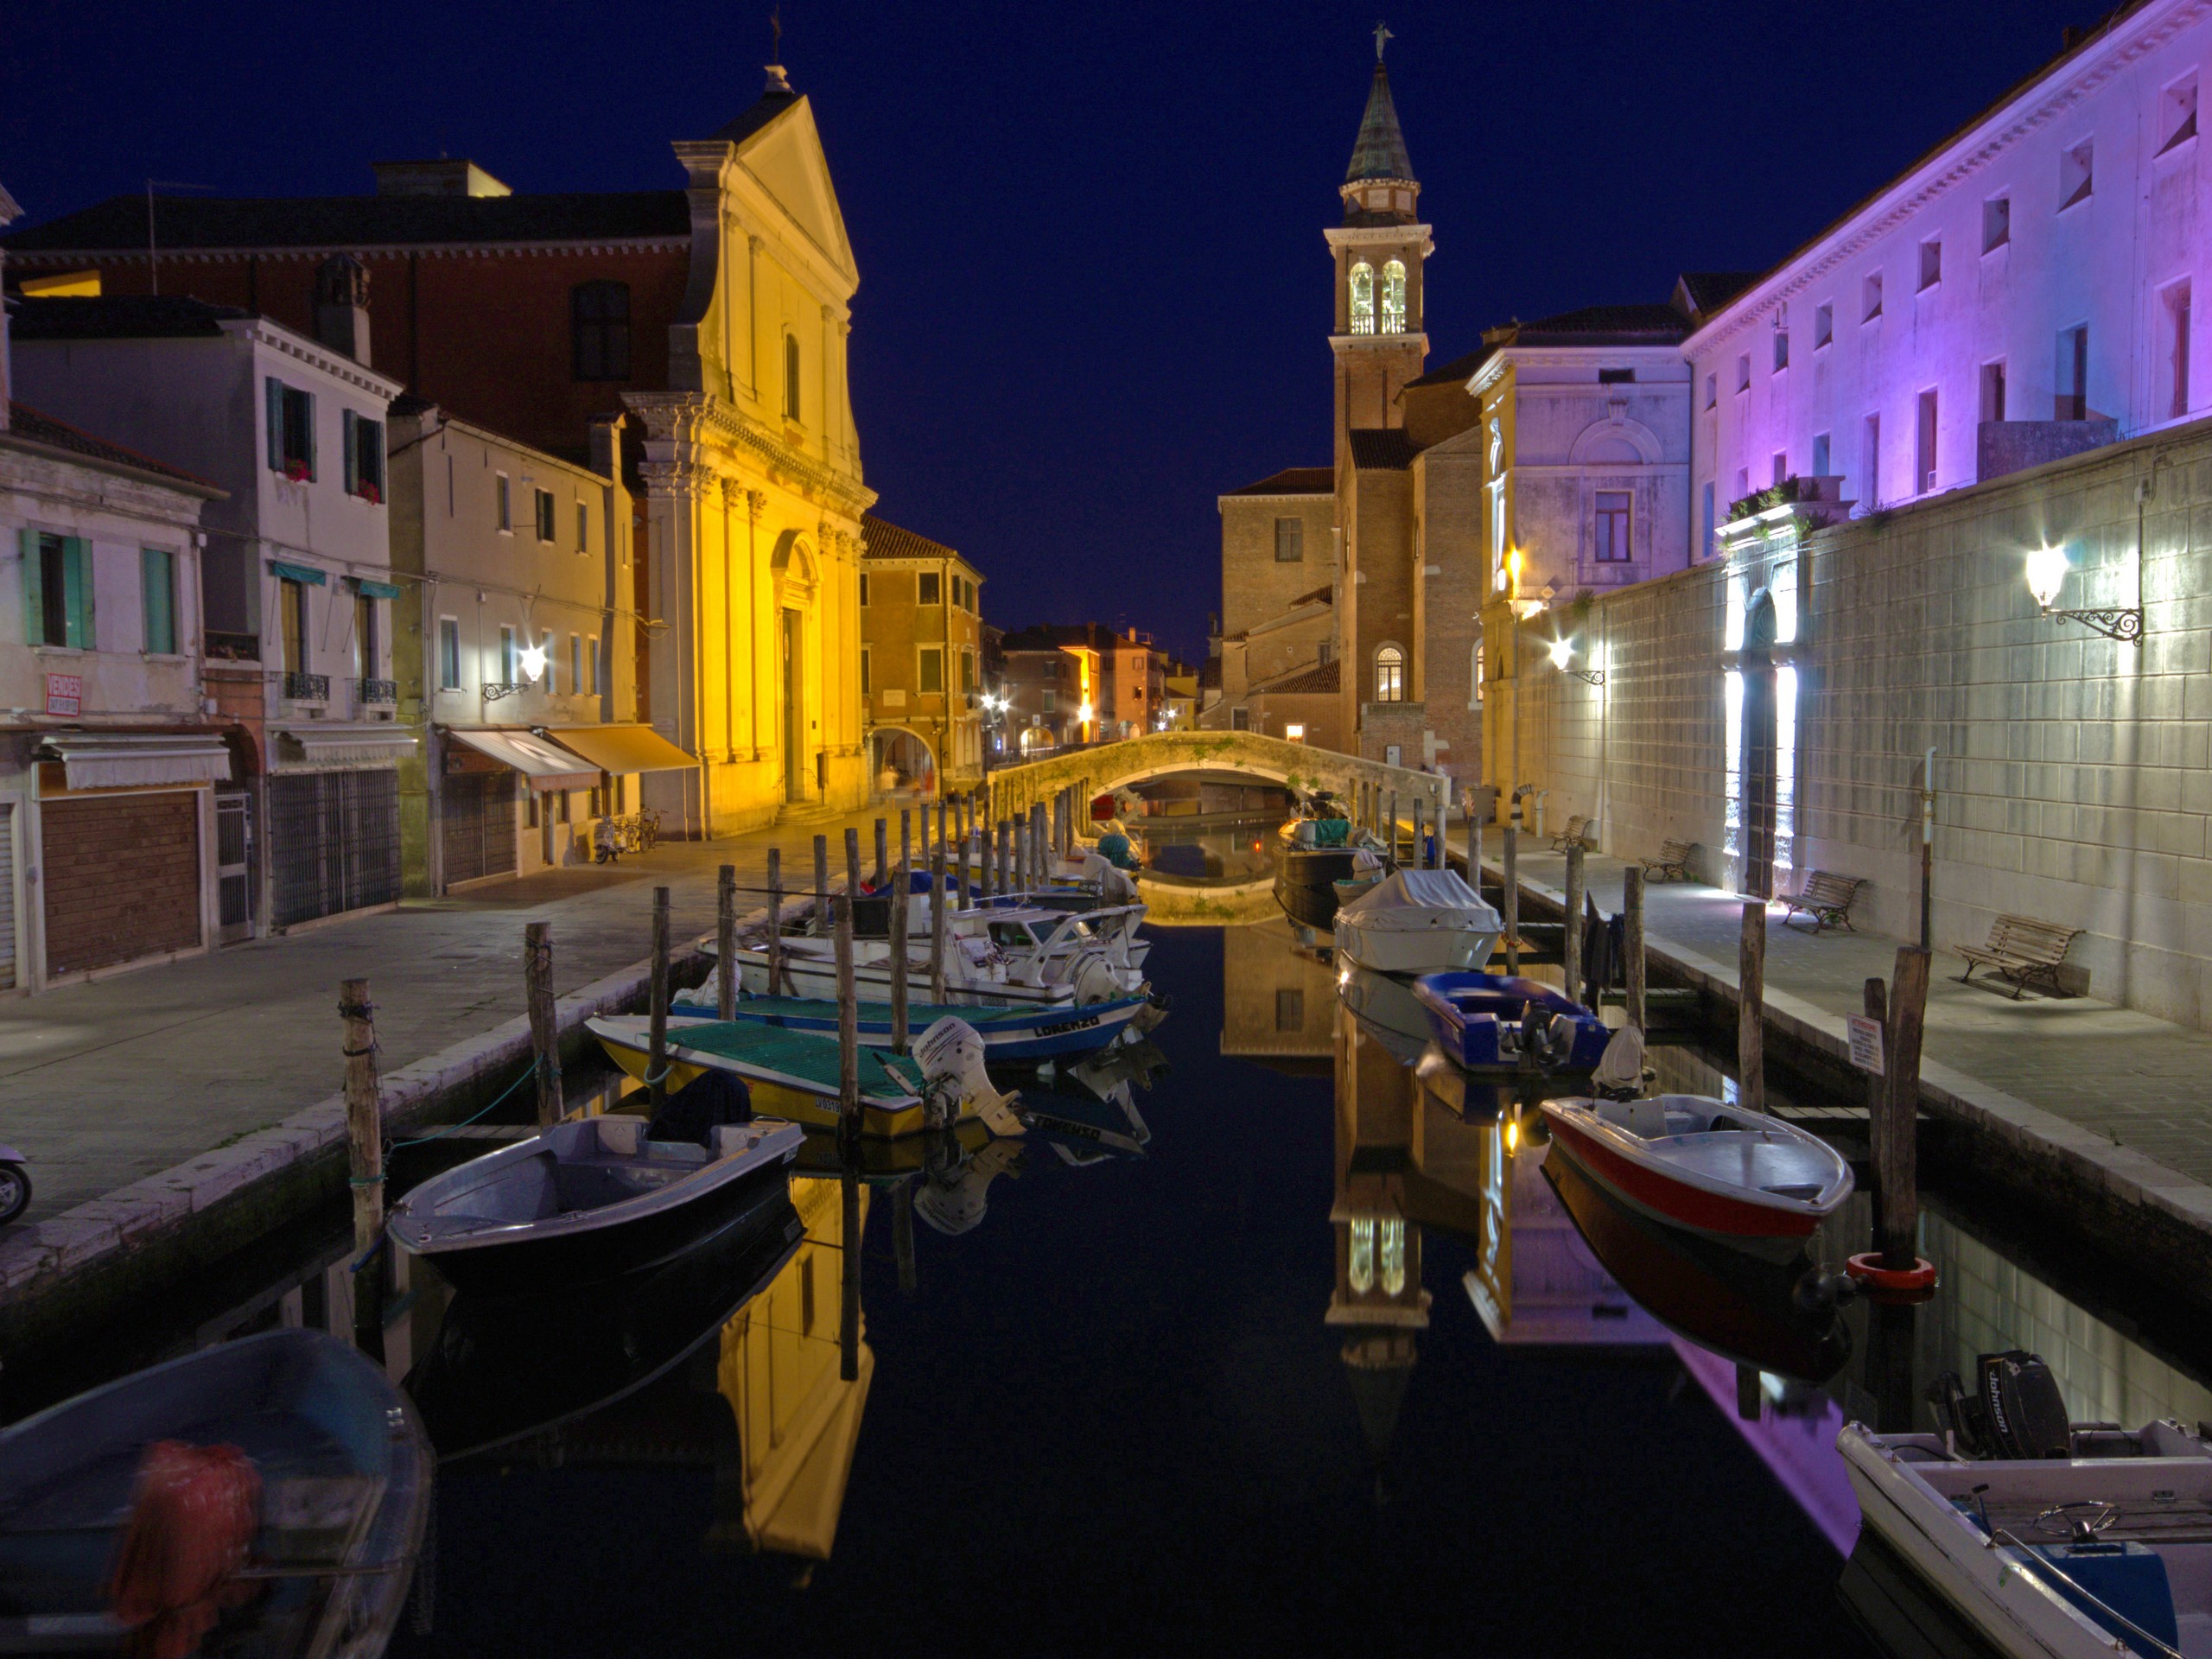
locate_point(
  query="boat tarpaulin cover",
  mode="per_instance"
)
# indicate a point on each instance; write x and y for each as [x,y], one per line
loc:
[138,759]
[544,763]
[332,748]
[624,749]
[1420,899]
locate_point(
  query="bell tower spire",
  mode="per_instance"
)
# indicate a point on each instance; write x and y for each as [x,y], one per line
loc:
[1379,252]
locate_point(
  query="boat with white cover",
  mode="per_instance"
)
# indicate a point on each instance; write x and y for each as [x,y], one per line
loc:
[2099,1543]
[1418,922]
[586,1200]
[1759,1183]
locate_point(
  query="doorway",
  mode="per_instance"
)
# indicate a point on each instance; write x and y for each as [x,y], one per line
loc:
[234,866]
[794,713]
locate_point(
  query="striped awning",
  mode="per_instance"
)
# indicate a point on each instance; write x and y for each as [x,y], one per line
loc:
[543,764]
[340,748]
[139,760]
[623,748]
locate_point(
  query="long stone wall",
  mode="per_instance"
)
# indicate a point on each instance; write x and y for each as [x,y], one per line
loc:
[2074,773]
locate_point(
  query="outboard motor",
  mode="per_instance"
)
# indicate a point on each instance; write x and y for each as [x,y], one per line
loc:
[2014,1411]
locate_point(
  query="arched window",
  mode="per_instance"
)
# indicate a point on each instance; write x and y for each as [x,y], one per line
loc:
[1362,299]
[1392,1240]
[598,330]
[1394,298]
[1359,1268]
[1389,674]
[791,377]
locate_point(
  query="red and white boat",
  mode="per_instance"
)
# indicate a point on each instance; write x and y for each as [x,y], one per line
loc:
[1736,1175]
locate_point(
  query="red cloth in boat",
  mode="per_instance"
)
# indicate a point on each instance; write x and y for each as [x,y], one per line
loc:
[192,1523]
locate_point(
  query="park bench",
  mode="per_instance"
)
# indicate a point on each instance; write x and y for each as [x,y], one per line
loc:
[1826,898]
[1671,862]
[2022,948]
[1577,834]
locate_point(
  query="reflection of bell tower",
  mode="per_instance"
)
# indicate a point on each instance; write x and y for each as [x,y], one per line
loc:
[1379,252]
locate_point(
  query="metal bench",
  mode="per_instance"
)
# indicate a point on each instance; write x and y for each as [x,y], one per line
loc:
[1672,863]
[1827,899]
[2022,948]
[1577,833]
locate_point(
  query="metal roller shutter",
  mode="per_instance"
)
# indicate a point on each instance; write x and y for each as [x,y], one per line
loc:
[122,879]
[478,809]
[7,897]
[334,842]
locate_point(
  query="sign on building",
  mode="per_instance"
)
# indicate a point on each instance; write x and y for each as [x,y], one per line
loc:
[65,693]
[1866,1044]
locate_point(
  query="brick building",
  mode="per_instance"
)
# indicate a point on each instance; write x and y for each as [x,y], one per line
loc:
[921,659]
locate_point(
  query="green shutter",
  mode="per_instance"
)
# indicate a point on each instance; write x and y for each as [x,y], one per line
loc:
[274,399]
[77,593]
[159,567]
[350,443]
[33,588]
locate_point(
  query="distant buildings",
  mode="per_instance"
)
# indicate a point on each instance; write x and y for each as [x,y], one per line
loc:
[1080,683]
[921,660]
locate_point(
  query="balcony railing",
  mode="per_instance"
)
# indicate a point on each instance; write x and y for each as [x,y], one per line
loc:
[377,690]
[307,688]
[233,647]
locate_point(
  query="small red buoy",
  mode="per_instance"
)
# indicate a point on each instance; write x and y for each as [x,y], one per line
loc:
[1916,1280]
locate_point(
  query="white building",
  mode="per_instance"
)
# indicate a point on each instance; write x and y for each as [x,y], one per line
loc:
[2023,292]
[296,579]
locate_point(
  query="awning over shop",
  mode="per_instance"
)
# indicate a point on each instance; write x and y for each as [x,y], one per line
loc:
[543,764]
[340,748]
[140,760]
[374,589]
[290,572]
[624,749]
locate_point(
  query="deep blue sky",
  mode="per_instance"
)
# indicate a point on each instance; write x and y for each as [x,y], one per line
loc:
[1093,289]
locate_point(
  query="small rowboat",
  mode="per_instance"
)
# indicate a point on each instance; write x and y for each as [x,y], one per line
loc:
[586,1200]
[794,1074]
[1484,1021]
[1752,1181]
[345,1473]
[1008,1034]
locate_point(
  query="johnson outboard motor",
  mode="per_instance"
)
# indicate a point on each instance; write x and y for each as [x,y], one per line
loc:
[2014,1410]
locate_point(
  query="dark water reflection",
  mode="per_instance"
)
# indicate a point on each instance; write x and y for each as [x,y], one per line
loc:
[1334,1362]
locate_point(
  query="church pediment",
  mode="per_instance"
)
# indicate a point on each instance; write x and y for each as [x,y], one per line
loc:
[786,157]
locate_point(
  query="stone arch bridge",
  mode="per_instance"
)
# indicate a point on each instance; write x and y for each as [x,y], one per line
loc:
[1299,766]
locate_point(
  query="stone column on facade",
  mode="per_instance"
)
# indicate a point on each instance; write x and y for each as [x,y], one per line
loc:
[756,651]
[676,493]
[732,499]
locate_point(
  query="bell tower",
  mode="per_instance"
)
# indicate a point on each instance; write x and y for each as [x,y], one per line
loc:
[1379,252]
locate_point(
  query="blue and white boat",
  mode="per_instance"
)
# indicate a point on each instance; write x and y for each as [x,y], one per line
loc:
[1026,1033]
[1491,1020]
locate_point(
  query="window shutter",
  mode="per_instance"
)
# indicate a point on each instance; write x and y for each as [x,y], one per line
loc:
[275,388]
[77,593]
[351,444]
[34,589]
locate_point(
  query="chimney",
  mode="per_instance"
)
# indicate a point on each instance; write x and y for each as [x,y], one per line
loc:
[341,306]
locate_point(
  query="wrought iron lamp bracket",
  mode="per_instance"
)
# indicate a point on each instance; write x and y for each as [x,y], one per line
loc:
[1589,676]
[2114,624]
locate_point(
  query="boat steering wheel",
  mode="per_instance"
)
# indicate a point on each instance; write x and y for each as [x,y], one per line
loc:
[2079,1522]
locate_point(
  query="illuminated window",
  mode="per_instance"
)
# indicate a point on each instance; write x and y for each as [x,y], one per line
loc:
[1389,674]
[1394,298]
[1362,300]
[1360,1270]
[1391,1236]
[1613,526]
[1294,732]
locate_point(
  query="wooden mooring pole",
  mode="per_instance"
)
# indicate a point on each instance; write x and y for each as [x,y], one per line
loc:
[1420,847]
[1877,1083]
[936,927]
[849,1027]
[1750,1009]
[726,943]
[1632,945]
[657,1064]
[1474,851]
[364,1158]
[1570,938]
[853,862]
[882,851]
[1896,1200]
[544,1029]
[1390,834]
[1511,909]
[821,919]
[901,899]
[982,856]
[775,920]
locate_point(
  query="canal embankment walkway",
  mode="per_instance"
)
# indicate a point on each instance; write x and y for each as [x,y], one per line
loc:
[144,1100]
[2104,1112]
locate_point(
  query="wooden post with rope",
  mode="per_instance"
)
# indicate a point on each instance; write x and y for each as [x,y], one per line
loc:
[1750,1009]
[1511,908]
[902,897]
[882,861]
[775,920]
[1570,942]
[544,1028]
[656,1066]
[853,862]
[1896,1198]
[849,1025]
[726,943]
[936,927]
[1633,944]
[821,919]
[364,1158]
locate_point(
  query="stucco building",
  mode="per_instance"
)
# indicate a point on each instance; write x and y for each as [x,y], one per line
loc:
[716,314]
[921,659]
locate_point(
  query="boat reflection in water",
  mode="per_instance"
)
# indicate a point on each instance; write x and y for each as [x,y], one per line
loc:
[728,1360]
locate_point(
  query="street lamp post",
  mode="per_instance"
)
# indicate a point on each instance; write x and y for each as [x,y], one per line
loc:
[2046,574]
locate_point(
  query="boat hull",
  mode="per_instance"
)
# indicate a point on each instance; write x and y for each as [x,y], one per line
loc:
[1475,1017]
[806,1107]
[1046,1033]
[1438,951]
[1306,883]
[540,1261]
[808,976]
[1746,1224]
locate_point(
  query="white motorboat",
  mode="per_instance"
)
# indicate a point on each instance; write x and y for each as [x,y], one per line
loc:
[1418,922]
[2066,1540]
[996,956]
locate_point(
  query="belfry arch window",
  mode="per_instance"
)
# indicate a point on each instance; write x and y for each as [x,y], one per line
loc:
[791,377]
[1362,299]
[1394,298]
[1389,674]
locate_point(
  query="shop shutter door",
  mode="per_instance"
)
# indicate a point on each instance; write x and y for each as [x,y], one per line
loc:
[7,898]
[478,811]
[122,879]
[333,842]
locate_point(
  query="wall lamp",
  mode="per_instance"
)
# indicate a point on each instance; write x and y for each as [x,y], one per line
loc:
[1563,660]
[2047,568]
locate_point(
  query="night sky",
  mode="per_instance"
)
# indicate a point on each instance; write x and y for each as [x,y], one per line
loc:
[1093,289]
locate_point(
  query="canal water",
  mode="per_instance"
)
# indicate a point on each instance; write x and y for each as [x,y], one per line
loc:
[1331,1361]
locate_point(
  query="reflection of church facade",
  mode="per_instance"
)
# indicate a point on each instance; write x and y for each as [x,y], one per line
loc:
[1551,461]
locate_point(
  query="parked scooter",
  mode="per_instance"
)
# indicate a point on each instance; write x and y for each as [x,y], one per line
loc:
[15,1186]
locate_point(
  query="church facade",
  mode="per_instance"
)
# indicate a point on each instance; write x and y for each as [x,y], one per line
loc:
[1477,501]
